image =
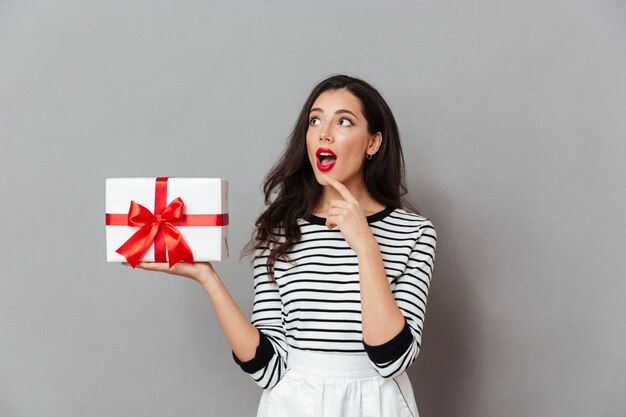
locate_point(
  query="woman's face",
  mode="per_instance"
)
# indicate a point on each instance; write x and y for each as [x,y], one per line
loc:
[337,138]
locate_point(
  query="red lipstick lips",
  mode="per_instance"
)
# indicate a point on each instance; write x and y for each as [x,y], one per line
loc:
[326,159]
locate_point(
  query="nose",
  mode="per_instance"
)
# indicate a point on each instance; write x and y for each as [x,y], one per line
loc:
[325,138]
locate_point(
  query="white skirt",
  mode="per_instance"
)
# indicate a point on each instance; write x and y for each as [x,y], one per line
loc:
[318,384]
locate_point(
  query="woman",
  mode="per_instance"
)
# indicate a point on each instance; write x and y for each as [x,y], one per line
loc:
[341,270]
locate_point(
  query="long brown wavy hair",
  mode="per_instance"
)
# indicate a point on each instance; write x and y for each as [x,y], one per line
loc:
[291,190]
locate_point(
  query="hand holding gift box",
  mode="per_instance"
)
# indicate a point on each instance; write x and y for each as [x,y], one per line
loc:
[166,219]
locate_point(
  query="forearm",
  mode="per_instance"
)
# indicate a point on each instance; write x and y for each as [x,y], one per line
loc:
[381,317]
[242,336]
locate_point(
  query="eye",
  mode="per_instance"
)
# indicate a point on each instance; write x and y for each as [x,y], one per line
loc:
[311,122]
[345,120]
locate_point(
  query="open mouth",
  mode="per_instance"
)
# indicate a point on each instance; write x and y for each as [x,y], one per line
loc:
[326,159]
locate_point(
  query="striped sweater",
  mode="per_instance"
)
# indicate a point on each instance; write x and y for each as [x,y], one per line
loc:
[315,303]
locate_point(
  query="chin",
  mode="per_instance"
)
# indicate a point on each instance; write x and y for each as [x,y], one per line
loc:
[320,180]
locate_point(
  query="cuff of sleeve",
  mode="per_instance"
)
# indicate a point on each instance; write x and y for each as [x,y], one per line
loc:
[264,353]
[392,349]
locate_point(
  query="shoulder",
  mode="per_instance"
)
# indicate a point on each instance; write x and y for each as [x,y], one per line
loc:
[423,231]
[404,218]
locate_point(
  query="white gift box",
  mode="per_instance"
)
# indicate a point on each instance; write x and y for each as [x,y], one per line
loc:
[203,225]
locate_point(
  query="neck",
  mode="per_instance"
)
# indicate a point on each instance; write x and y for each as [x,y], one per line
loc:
[357,188]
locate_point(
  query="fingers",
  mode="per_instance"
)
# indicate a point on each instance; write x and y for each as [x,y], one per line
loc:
[157,266]
[341,208]
[337,212]
[182,268]
[335,216]
[153,266]
[339,204]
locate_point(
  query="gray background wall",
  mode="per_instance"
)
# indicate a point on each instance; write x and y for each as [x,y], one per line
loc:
[512,116]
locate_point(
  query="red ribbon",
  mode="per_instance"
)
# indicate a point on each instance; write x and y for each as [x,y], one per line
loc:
[160,228]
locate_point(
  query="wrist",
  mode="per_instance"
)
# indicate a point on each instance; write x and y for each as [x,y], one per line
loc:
[207,279]
[368,247]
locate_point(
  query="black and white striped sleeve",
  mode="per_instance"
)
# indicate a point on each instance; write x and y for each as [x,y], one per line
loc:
[411,292]
[269,363]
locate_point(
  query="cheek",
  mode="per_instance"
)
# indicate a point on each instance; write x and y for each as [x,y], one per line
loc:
[310,146]
[353,149]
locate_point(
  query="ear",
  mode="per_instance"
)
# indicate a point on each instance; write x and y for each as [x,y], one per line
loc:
[374,143]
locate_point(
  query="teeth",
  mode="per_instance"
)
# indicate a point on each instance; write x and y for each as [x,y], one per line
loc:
[325,154]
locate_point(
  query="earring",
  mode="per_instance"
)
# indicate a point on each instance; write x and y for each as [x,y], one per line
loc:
[369,156]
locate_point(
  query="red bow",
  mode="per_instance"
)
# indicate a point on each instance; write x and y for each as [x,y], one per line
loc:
[151,225]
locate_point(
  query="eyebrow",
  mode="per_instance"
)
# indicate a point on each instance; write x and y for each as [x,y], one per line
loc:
[337,112]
